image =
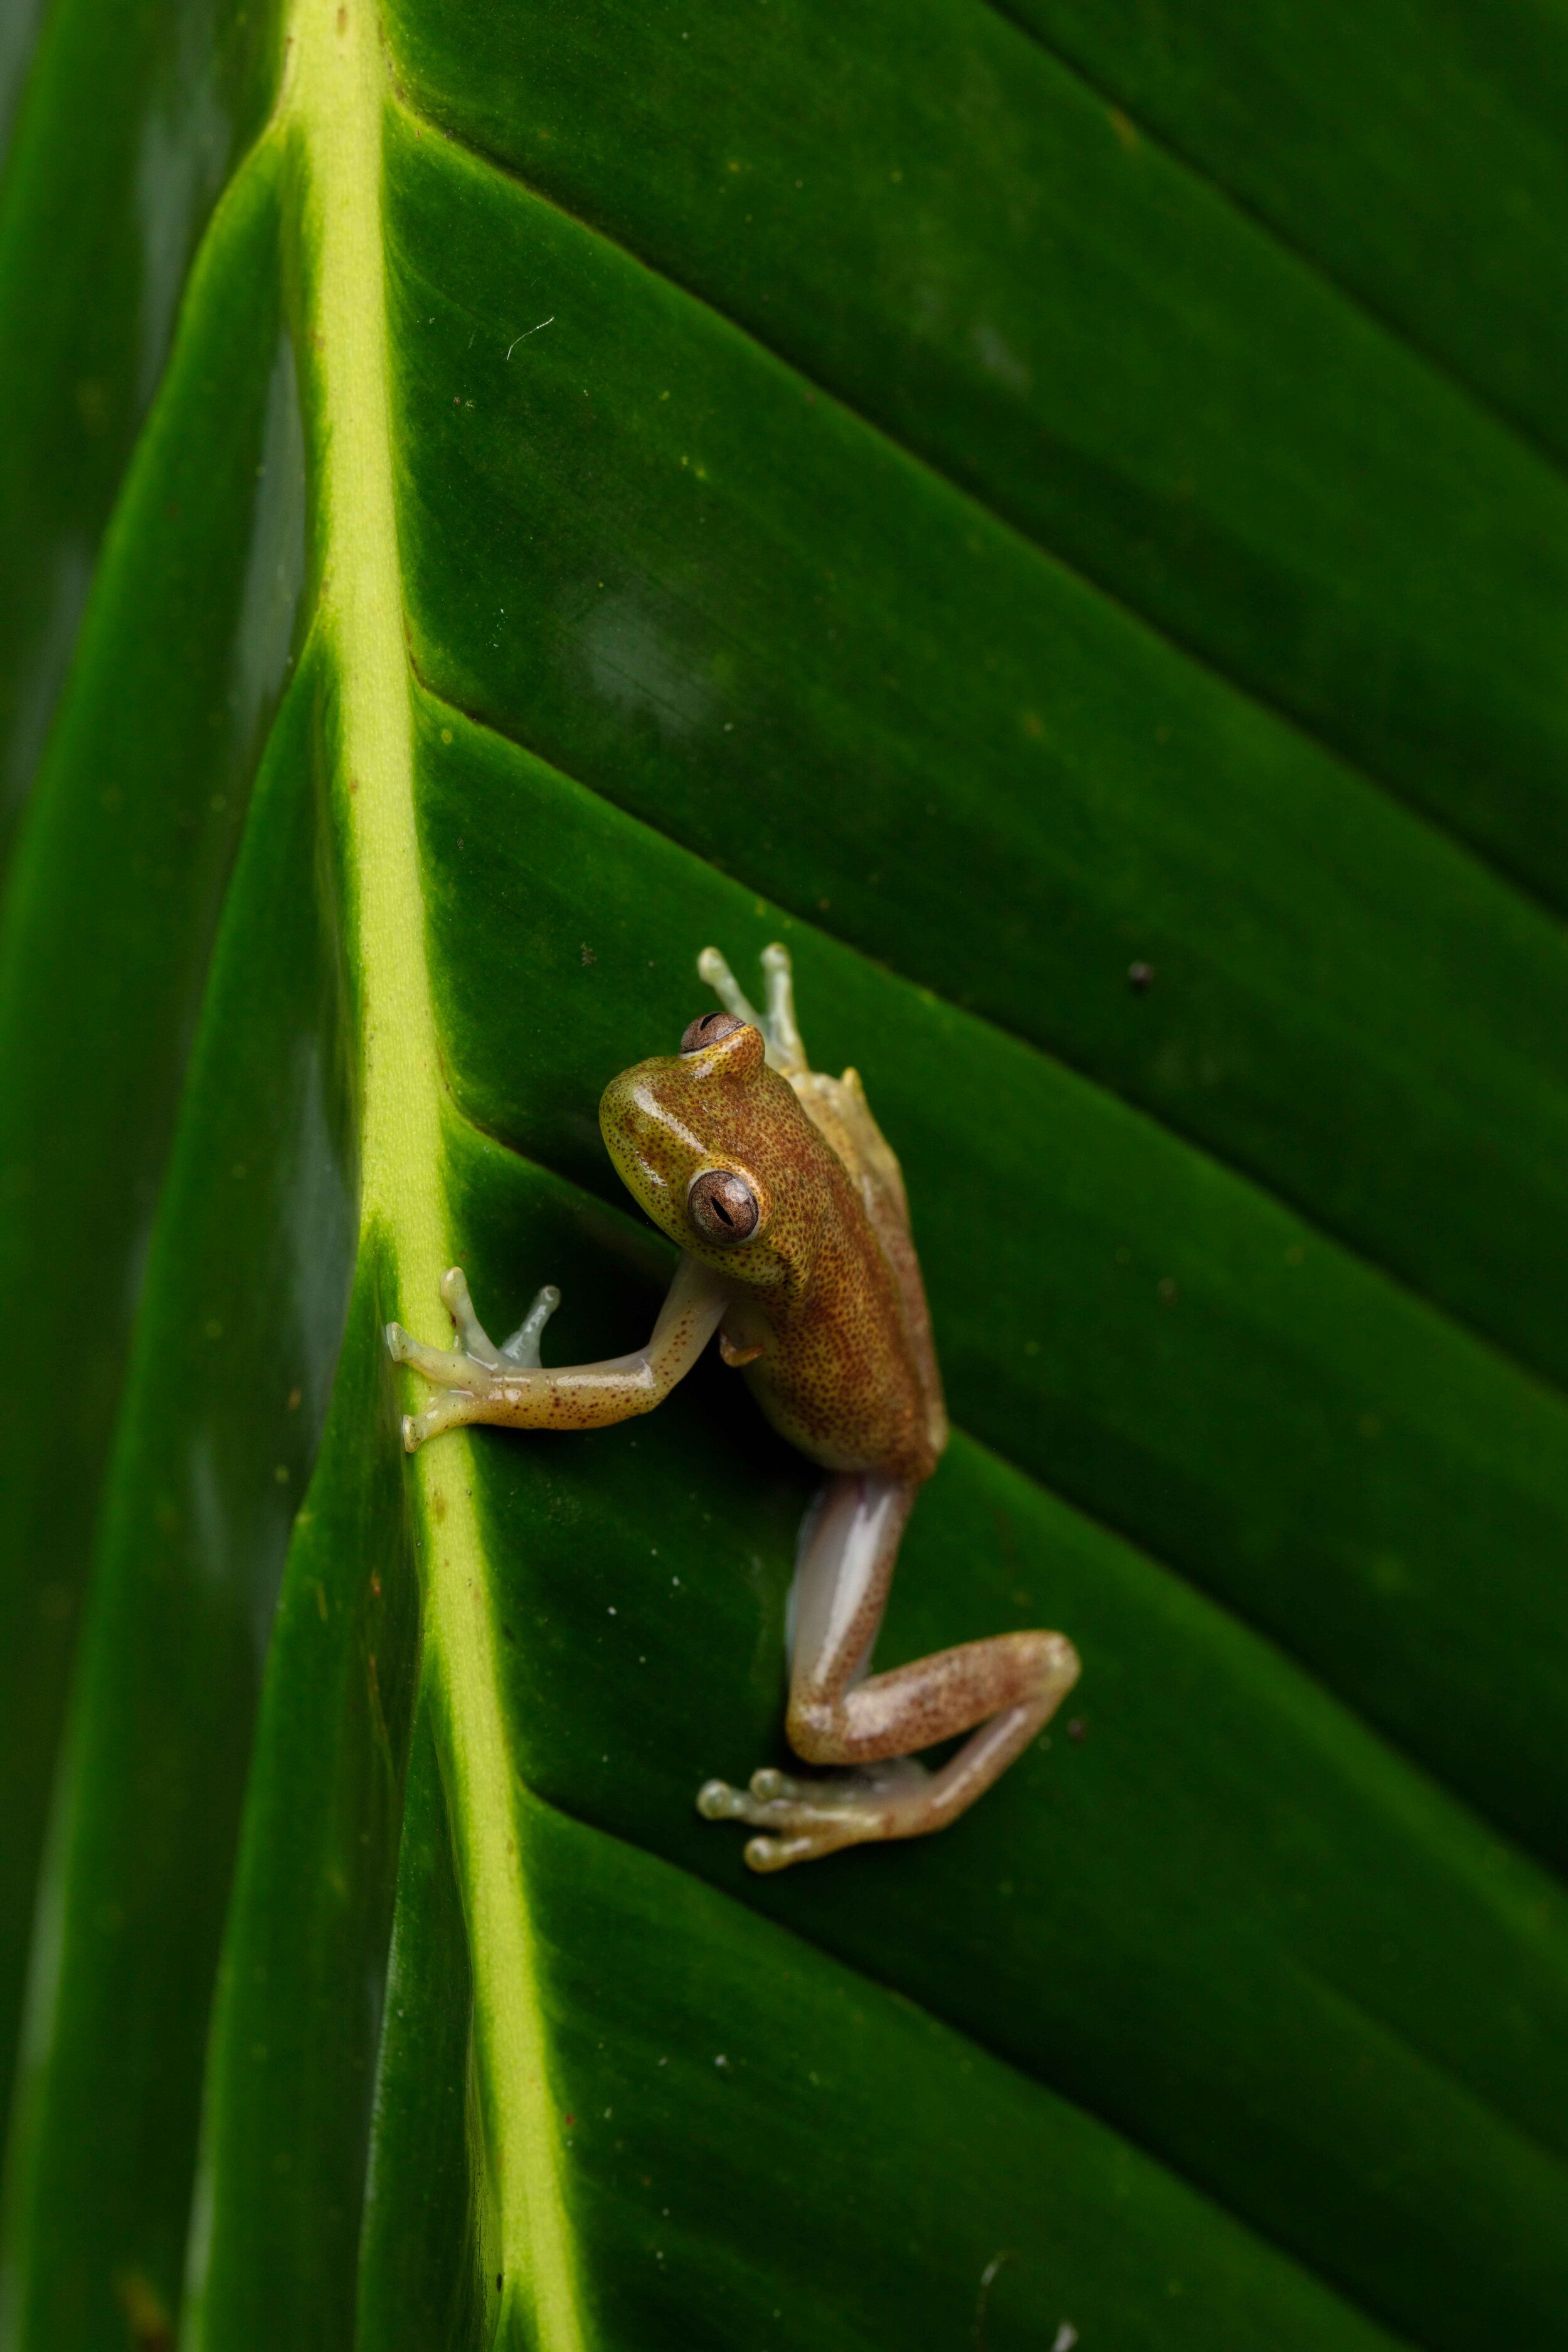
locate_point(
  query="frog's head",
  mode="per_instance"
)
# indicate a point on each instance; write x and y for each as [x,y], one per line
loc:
[718,1149]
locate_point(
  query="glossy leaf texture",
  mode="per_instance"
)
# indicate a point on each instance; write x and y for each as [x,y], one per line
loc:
[1003,502]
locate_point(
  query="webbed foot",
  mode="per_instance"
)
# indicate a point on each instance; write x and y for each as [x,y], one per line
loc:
[807,1819]
[475,1366]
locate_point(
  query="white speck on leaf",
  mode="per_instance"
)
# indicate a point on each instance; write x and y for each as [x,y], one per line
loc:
[527,332]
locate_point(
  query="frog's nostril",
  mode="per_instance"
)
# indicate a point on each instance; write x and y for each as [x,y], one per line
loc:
[707,1030]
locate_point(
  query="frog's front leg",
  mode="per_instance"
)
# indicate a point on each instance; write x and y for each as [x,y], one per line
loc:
[510,1386]
[1002,1691]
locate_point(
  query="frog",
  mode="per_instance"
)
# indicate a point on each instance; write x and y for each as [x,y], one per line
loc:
[789,1210]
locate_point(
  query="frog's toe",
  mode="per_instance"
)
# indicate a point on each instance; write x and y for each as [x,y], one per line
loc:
[450,1411]
[806,1817]
[473,1339]
[717,1802]
[765,1855]
[448,1368]
[804,1833]
[523,1348]
[763,1804]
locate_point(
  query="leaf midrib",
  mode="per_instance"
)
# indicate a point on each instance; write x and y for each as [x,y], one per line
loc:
[332,110]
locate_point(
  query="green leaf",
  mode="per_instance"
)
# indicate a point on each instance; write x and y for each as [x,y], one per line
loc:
[954,491]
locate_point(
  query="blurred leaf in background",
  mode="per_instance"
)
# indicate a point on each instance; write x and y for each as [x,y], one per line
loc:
[1058,513]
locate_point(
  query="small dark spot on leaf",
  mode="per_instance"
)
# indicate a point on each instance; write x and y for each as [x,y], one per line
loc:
[151,2327]
[1139,976]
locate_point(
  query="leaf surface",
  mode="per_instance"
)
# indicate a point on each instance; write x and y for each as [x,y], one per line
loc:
[620,483]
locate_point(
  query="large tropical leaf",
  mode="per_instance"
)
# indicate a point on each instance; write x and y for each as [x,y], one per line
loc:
[992,499]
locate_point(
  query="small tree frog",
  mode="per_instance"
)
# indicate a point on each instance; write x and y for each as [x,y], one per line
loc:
[788,1207]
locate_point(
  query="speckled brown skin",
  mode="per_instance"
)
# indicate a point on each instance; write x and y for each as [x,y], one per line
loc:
[838,1371]
[789,1208]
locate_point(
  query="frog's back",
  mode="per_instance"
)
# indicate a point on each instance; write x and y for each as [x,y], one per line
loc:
[842,1362]
[837,1108]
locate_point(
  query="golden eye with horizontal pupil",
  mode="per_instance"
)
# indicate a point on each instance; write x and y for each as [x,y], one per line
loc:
[723,1206]
[707,1030]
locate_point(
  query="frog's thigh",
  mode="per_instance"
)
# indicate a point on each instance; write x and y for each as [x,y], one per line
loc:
[848,1548]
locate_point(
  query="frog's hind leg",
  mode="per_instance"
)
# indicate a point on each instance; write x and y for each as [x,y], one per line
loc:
[786,1050]
[713,969]
[1002,1691]
[778,974]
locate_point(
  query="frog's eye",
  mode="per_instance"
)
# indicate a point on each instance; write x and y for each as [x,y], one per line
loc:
[722,1204]
[707,1030]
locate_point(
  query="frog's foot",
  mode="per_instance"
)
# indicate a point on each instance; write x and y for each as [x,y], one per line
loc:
[786,1050]
[810,1818]
[475,1366]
